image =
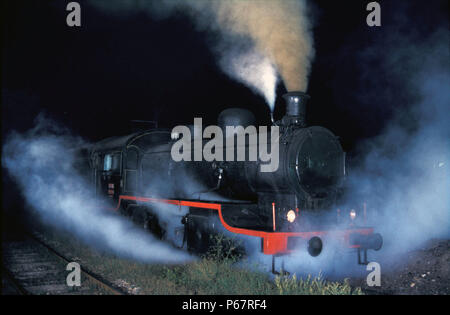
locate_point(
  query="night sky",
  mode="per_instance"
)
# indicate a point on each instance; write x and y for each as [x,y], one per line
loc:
[97,78]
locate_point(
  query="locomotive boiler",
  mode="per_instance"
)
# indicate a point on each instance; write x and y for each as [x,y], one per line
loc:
[287,208]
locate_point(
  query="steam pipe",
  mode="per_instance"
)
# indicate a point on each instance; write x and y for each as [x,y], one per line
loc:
[372,241]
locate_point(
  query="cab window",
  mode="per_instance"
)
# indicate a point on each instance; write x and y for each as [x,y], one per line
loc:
[107,162]
[111,162]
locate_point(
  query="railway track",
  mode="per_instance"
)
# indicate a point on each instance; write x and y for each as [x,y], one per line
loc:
[32,267]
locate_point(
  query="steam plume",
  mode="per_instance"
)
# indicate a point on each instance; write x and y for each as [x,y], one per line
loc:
[404,173]
[43,163]
[279,32]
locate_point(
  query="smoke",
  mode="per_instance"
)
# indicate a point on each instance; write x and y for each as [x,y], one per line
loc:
[257,39]
[254,70]
[403,174]
[280,29]
[44,164]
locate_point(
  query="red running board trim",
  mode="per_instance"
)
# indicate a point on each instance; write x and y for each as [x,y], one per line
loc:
[273,242]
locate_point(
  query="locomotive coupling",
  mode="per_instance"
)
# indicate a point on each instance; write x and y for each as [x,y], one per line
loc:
[372,241]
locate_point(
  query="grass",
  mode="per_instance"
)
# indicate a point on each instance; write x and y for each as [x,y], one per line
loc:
[215,273]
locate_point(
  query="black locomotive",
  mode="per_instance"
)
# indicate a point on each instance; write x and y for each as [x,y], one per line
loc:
[287,208]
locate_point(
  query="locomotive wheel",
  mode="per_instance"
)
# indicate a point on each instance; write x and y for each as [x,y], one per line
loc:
[140,217]
[154,226]
[197,239]
[126,209]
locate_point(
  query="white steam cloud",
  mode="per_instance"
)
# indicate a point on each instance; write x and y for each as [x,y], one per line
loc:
[404,176]
[254,70]
[43,163]
[258,39]
[404,173]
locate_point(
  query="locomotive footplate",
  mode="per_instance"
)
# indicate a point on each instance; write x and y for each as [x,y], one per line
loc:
[286,242]
[282,243]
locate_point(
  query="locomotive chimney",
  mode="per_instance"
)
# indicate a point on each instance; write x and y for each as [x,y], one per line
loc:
[296,108]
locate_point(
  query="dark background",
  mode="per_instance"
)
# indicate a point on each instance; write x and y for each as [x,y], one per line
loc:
[97,78]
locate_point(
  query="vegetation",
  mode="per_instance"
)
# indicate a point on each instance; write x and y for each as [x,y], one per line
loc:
[215,273]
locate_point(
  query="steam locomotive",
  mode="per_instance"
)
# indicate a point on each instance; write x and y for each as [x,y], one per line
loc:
[287,209]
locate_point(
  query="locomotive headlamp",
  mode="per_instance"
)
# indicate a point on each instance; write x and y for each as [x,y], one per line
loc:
[352,214]
[290,216]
